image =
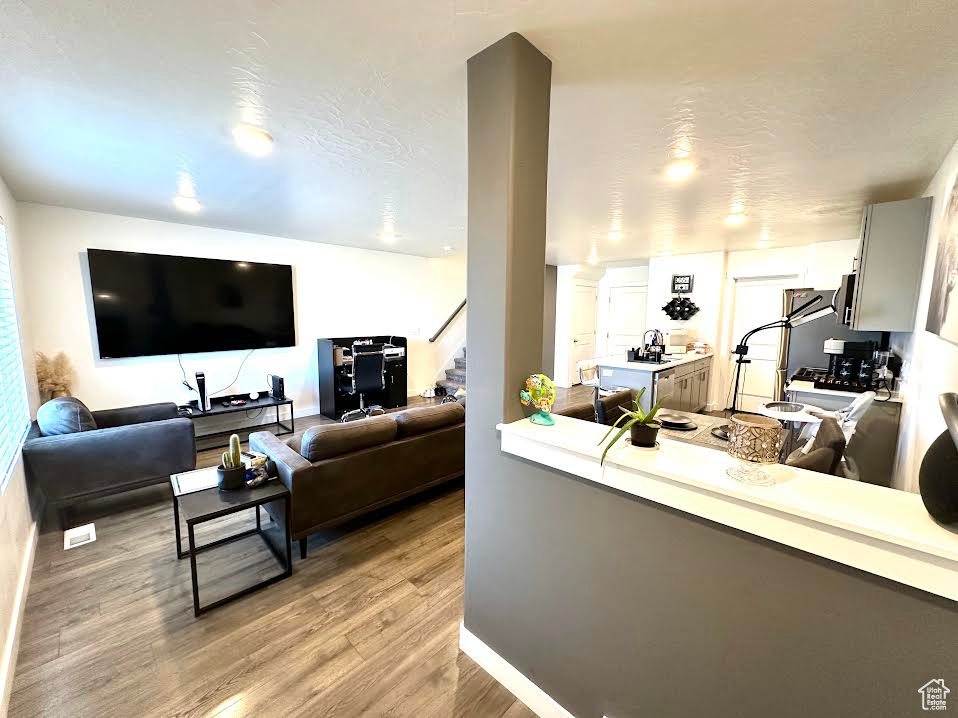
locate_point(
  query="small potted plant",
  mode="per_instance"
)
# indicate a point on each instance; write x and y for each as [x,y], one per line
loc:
[641,425]
[231,473]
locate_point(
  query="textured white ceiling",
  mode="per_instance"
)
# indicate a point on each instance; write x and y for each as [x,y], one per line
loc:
[801,111]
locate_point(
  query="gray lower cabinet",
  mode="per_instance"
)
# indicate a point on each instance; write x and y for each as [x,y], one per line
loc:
[685,388]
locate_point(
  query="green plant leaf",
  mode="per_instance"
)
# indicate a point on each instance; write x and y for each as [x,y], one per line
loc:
[651,415]
[611,428]
[628,425]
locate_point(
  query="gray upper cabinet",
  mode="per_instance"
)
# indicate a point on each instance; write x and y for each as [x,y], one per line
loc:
[889,264]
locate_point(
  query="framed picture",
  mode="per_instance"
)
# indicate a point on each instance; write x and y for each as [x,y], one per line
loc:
[681,283]
[943,306]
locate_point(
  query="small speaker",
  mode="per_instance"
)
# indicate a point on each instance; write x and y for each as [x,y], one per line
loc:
[278,388]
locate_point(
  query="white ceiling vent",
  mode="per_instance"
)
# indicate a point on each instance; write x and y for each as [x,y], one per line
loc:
[78,536]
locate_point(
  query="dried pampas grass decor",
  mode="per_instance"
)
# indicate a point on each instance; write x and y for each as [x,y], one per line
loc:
[54,375]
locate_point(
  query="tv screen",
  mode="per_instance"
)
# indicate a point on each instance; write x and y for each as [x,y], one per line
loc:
[148,304]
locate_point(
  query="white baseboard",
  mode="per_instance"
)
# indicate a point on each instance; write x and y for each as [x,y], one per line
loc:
[535,699]
[8,661]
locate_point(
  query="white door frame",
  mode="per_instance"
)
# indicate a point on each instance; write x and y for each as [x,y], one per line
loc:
[604,313]
[594,286]
[722,366]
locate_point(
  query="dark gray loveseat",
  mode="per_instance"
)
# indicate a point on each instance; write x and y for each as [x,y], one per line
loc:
[129,448]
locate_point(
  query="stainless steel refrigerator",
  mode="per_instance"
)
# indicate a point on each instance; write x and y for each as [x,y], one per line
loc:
[804,346]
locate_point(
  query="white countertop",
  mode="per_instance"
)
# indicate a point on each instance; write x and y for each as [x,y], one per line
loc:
[807,387]
[872,528]
[620,362]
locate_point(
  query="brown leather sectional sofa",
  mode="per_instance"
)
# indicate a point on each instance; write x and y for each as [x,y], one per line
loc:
[336,472]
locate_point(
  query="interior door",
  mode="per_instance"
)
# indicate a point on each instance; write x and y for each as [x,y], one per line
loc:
[757,302]
[627,308]
[583,327]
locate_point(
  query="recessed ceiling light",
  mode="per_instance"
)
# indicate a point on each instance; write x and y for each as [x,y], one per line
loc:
[615,235]
[253,140]
[736,219]
[187,204]
[389,237]
[680,170]
[447,248]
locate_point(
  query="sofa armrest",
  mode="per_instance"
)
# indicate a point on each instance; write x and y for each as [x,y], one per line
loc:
[284,462]
[87,462]
[109,418]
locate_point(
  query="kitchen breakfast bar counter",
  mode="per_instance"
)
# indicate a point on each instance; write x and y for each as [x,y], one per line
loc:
[655,585]
[873,528]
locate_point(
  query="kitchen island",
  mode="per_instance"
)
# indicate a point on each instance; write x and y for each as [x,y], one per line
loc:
[681,383]
[602,589]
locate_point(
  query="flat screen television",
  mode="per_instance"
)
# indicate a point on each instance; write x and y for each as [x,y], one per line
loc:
[150,304]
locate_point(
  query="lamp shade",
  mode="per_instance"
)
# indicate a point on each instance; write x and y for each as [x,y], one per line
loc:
[755,438]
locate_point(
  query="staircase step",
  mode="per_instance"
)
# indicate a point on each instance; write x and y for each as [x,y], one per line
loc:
[451,386]
[457,375]
[460,363]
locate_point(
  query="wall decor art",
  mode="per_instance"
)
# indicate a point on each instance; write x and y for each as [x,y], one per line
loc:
[682,283]
[943,307]
[680,308]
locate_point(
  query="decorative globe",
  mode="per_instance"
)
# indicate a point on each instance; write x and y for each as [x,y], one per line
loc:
[539,392]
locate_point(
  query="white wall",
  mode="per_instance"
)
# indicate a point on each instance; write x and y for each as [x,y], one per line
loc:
[17,527]
[708,270]
[339,291]
[930,363]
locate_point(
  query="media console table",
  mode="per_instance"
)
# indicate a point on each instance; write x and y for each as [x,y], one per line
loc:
[262,405]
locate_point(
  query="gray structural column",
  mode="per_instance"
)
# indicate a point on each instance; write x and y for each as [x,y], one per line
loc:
[509,85]
[509,90]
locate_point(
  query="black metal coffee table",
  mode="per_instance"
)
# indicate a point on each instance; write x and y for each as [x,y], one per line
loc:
[199,505]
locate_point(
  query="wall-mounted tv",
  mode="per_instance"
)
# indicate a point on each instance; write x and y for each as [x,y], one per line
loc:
[149,304]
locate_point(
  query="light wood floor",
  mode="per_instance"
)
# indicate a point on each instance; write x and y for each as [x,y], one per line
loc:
[366,626]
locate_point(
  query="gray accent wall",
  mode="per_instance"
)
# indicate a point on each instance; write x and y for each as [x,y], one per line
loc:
[614,605]
[549,321]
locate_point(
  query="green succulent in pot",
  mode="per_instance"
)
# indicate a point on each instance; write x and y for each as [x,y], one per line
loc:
[641,425]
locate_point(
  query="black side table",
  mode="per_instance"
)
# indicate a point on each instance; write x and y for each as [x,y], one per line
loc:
[209,504]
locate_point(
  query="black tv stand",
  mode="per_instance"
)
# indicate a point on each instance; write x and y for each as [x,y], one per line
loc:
[214,439]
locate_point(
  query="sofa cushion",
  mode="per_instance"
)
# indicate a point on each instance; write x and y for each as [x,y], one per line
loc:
[64,415]
[607,411]
[421,419]
[583,410]
[329,440]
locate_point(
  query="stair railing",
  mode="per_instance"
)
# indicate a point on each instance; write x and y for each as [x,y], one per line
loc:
[446,323]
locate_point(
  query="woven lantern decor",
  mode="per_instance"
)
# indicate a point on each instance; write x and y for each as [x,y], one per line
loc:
[757,440]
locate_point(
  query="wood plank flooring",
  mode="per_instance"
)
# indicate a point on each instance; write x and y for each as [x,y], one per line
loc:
[366,626]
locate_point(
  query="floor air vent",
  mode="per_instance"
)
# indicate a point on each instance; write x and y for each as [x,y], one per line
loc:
[78,536]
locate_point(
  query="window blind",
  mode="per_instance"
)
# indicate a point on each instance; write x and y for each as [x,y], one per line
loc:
[14,412]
